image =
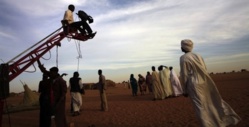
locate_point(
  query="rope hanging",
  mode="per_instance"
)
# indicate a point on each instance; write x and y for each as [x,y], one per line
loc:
[78,64]
[77,44]
[57,56]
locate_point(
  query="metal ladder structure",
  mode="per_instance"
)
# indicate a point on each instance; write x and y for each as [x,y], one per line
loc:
[17,65]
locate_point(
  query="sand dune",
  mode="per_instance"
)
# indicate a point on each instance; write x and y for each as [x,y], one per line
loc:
[141,111]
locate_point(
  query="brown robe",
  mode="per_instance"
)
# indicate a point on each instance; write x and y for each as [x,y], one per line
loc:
[59,88]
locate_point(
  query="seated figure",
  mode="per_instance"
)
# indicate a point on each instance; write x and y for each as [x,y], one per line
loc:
[82,25]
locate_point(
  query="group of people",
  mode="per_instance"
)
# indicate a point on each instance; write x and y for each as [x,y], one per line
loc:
[165,83]
[53,89]
[195,83]
[135,84]
[210,108]
[162,84]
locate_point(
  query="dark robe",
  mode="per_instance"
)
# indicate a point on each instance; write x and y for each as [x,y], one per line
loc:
[45,111]
[133,82]
[149,82]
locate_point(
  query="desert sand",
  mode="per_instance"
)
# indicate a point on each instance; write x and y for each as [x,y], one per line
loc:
[140,111]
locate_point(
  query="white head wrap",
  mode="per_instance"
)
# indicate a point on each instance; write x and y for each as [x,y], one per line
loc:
[187,45]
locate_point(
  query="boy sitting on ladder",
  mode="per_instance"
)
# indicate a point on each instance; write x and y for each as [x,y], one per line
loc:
[82,25]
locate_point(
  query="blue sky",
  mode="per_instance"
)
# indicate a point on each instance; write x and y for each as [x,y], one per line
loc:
[132,35]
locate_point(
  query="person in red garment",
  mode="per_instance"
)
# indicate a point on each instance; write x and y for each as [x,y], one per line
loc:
[58,90]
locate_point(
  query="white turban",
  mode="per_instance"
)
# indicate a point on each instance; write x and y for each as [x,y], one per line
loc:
[187,45]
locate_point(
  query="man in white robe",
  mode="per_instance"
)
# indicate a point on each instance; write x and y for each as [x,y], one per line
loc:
[165,81]
[210,108]
[102,91]
[75,86]
[162,82]
[156,85]
[169,89]
[175,82]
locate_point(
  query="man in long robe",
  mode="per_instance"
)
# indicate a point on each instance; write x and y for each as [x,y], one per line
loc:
[211,109]
[157,87]
[149,81]
[165,81]
[175,82]
[102,91]
[44,99]
[141,83]
[162,82]
[133,82]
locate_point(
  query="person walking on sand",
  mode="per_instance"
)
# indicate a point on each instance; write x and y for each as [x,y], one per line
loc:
[141,83]
[211,109]
[166,80]
[102,90]
[75,86]
[175,82]
[133,83]
[148,80]
[157,87]
[162,79]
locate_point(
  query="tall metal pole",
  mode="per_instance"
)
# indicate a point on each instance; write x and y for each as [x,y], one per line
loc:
[4,87]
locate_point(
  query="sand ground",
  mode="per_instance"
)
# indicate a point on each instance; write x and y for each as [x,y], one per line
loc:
[140,111]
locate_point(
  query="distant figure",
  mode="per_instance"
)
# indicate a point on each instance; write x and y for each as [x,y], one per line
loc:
[162,79]
[102,89]
[133,83]
[157,87]
[210,108]
[75,85]
[149,81]
[166,81]
[175,82]
[141,83]
[82,25]
[129,84]
[44,99]
[57,93]
[125,84]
